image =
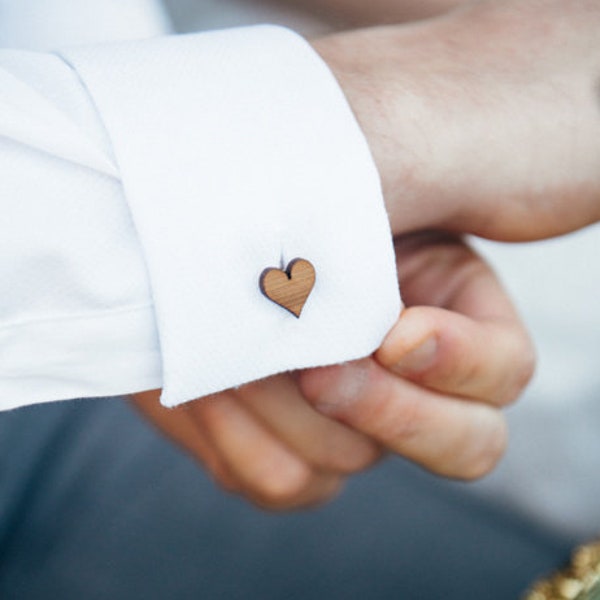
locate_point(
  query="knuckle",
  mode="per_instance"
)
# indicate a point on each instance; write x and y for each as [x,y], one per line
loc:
[490,453]
[348,463]
[522,372]
[326,492]
[468,372]
[338,390]
[407,425]
[278,485]
[394,414]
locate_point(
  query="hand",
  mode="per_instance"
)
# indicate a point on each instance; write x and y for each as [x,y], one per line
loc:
[439,406]
[265,442]
[433,392]
[484,121]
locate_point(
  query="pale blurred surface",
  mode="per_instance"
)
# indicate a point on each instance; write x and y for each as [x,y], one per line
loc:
[200,15]
[52,23]
[552,469]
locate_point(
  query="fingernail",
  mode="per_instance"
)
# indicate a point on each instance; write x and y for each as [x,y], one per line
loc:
[345,387]
[418,359]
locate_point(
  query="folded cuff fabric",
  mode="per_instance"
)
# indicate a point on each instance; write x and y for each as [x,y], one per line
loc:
[219,195]
[237,151]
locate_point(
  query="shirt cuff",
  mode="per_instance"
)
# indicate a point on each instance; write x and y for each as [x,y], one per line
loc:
[238,152]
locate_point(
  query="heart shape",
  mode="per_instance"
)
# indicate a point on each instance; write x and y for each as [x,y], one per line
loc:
[290,288]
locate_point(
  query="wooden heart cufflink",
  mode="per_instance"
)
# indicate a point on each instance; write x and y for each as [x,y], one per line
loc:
[290,288]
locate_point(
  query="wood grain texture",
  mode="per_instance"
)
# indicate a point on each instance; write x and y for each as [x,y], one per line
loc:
[290,288]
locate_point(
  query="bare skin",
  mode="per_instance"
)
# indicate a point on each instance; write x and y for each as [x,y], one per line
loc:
[483,121]
[291,440]
[344,14]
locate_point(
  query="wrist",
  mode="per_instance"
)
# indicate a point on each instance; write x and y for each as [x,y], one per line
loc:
[493,109]
[376,70]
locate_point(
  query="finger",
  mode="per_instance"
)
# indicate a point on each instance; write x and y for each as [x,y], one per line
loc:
[178,424]
[490,361]
[323,442]
[446,435]
[269,473]
[478,347]
[440,269]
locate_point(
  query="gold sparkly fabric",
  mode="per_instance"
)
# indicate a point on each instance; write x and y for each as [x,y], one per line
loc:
[579,581]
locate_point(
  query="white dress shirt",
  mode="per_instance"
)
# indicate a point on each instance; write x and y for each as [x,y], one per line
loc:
[145,186]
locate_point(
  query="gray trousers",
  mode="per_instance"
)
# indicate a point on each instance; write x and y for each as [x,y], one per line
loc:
[95,506]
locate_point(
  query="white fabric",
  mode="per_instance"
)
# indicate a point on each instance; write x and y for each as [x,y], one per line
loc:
[76,317]
[233,151]
[218,195]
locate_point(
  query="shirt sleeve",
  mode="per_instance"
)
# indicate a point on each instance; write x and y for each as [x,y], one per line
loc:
[146,186]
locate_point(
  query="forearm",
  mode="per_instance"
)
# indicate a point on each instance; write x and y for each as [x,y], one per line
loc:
[482,119]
